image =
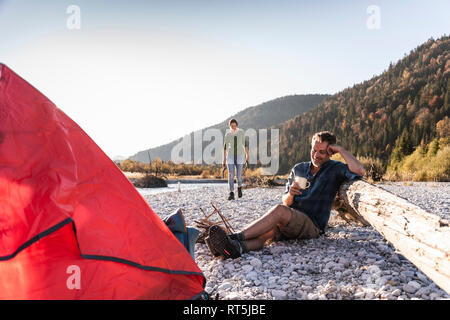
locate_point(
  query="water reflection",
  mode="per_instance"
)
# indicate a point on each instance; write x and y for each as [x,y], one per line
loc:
[174,187]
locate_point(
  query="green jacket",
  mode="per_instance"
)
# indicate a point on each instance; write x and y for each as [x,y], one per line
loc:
[234,143]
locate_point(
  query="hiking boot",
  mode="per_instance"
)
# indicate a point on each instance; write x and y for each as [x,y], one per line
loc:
[237,236]
[231,196]
[239,192]
[213,251]
[223,244]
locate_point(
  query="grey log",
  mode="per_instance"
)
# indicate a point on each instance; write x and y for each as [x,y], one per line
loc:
[422,237]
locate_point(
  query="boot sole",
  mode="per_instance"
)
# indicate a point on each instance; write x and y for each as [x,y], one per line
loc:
[213,251]
[220,242]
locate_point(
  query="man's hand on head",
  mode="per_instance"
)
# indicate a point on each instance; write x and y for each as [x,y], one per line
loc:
[333,148]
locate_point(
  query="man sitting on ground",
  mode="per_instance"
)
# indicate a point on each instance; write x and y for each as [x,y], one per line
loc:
[305,212]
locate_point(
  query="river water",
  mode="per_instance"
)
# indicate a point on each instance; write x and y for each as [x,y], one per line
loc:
[171,187]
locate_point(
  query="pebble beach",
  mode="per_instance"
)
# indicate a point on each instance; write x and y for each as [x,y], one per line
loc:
[349,262]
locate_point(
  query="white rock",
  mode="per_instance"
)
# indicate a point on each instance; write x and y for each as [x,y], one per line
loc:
[423,291]
[308,283]
[395,259]
[344,262]
[412,287]
[362,253]
[233,296]
[370,295]
[422,277]
[225,286]
[286,256]
[434,295]
[247,268]
[252,275]
[339,266]
[276,250]
[329,288]
[307,288]
[230,267]
[381,281]
[313,296]
[256,263]
[286,286]
[279,294]
[374,270]
[397,292]
[408,273]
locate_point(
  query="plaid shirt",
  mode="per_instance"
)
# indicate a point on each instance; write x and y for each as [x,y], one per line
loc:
[317,200]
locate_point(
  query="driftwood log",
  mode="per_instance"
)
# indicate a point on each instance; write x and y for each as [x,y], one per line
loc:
[423,238]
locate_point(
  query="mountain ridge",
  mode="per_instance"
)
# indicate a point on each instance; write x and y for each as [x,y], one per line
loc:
[409,98]
[261,116]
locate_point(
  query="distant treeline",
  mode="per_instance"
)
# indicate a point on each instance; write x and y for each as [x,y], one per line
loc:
[428,162]
[168,168]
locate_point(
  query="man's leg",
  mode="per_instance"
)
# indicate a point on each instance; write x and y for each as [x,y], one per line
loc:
[279,215]
[258,232]
[258,243]
[253,237]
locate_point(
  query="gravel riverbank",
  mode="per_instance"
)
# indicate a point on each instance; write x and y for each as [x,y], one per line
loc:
[348,262]
[433,197]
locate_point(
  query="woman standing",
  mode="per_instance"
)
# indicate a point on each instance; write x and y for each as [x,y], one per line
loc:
[235,154]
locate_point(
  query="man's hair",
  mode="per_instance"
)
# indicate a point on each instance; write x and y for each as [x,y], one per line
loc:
[231,121]
[324,136]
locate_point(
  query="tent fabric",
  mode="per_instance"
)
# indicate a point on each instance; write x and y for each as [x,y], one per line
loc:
[69,214]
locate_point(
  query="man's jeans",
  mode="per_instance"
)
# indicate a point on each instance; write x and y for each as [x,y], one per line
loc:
[237,163]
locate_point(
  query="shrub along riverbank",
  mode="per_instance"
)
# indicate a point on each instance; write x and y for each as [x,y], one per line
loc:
[429,162]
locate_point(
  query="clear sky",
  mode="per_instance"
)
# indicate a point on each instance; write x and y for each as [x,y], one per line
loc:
[138,74]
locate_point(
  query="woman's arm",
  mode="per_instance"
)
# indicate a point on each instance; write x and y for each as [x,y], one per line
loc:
[224,161]
[246,154]
[225,141]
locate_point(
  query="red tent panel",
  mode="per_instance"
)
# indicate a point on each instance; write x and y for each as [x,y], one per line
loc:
[64,202]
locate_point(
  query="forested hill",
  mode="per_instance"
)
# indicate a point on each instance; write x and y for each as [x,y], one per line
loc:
[258,117]
[406,100]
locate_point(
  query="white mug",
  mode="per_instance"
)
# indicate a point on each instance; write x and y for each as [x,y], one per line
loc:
[303,182]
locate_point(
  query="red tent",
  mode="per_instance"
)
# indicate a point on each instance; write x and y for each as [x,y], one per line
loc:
[72,226]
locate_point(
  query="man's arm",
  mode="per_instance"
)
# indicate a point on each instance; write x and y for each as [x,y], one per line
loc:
[353,164]
[288,198]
